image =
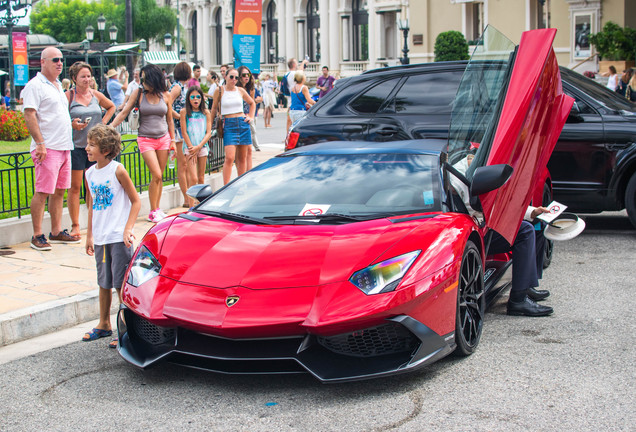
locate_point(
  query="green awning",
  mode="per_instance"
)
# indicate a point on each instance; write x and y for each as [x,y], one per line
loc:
[161,57]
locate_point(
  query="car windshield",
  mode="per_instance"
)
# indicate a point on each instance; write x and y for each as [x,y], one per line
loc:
[476,107]
[331,188]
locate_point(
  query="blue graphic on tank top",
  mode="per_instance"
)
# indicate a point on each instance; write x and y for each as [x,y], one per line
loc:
[102,196]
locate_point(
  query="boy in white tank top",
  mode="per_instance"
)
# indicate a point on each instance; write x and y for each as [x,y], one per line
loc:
[113,206]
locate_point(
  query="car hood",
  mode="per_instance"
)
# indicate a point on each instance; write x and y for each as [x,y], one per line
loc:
[220,253]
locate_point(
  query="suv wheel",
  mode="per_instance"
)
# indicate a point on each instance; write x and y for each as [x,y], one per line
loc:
[630,199]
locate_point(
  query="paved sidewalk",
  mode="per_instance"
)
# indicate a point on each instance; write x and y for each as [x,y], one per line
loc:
[43,291]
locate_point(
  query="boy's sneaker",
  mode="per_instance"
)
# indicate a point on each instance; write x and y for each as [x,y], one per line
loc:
[63,237]
[40,243]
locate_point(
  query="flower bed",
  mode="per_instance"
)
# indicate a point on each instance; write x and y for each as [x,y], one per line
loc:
[12,126]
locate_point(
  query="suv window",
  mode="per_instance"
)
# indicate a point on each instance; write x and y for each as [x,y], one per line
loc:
[371,100]
[431,93]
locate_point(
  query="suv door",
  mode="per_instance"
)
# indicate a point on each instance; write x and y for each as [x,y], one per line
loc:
[579,165]
[421,108]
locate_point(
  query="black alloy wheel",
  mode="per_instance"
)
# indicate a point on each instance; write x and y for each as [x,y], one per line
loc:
[471,302]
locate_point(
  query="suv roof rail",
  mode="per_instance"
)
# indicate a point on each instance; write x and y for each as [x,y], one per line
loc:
[415,66]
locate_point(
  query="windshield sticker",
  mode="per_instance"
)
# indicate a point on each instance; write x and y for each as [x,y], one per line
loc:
[428,198]
[314,209]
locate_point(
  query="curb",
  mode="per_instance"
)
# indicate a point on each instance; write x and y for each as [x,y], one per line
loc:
[48,317]
[37,320]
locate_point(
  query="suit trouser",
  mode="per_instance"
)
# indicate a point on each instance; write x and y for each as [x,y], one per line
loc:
[527,264]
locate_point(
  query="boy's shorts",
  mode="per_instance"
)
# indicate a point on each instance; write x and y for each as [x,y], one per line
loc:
[112,260]
[54,172]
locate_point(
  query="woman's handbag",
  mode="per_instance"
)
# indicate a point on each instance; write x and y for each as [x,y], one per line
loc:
[218,119]
[133,117]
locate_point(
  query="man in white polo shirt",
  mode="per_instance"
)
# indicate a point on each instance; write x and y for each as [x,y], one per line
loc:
[49,123]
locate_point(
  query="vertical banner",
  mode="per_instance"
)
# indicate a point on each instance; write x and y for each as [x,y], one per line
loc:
[20,59]
[246,40]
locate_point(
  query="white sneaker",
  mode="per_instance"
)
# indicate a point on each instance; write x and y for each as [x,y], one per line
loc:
[155,216]
[161,213]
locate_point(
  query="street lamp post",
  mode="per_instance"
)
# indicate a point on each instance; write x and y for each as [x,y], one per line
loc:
[112,33]
[11,20]
[101,26]
[182,54]
[142,49]
[404,26]
[167,39]
[86,45]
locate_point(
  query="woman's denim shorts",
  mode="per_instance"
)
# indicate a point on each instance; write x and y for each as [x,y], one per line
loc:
[236,131]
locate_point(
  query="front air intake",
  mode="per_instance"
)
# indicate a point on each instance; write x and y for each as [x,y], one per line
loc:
[387,338]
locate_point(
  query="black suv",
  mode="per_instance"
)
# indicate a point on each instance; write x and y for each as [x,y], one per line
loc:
[592,168]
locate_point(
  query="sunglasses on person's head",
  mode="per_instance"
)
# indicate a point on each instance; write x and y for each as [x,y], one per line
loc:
[56,59]
[195,96]
[142,80]
[232,76]
[244,75]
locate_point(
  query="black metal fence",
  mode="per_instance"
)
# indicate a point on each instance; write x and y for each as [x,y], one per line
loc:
[17,175]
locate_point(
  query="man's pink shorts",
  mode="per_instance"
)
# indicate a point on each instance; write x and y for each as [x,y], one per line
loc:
[146,144]
[54,172]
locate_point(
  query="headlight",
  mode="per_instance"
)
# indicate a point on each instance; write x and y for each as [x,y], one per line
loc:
[384,276]
[143,268]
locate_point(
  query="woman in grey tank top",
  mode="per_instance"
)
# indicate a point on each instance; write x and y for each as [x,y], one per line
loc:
[156,131]
[85,106]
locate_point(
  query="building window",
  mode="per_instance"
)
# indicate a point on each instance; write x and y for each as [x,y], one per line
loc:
[218,29]
[272,33]
[193,35]
[474,21]
[539,14]
[313,30]
[360,21]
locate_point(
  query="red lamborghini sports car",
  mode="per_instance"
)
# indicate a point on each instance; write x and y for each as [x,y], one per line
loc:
[353,260]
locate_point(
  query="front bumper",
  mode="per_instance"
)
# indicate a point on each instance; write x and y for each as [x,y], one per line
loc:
[400,344]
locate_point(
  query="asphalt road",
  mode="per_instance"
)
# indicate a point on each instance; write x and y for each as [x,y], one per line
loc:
[571,371]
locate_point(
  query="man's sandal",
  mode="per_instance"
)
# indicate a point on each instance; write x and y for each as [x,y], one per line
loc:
[113,343]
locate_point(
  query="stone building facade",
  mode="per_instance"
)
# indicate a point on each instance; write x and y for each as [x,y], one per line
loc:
[351,36]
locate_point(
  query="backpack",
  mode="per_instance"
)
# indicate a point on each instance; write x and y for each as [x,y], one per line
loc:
[284,85]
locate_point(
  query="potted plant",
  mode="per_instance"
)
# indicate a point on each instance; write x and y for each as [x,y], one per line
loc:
[451,45]
[615,46]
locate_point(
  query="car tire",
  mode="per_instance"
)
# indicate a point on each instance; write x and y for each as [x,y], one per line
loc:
[471,302]
[630,199]
[548,250]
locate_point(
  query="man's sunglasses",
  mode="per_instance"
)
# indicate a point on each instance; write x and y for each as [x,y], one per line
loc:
[56,59]
[232,76]
[195,96]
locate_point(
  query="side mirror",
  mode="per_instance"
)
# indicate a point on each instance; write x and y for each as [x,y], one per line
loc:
[489,178]
[200,192]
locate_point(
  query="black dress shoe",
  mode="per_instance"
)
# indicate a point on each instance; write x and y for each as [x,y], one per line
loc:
[528,307]
[538,295]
